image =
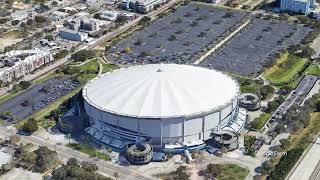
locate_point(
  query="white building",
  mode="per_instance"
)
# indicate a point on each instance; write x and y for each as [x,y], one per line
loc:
[109,15]
[58,15]
[297,6]
[21,15]
[73,35]
[141,6]
[16,64]
[166,105]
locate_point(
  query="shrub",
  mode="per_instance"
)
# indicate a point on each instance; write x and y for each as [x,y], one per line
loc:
[285,164]
[30,126]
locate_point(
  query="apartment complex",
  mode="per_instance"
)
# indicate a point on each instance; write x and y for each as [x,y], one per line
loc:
[16,64]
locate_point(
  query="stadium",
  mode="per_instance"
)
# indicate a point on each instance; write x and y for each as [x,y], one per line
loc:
[172,107]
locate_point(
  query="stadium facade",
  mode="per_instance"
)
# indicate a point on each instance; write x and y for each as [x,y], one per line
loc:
[169,106]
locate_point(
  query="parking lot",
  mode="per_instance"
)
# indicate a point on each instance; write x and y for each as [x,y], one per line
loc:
[38,97]
[177,37]
[253,48]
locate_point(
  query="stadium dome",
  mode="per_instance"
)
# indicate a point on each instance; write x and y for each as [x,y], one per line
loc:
[163,104]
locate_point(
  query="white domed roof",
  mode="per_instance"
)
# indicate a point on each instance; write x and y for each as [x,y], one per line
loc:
[161,91]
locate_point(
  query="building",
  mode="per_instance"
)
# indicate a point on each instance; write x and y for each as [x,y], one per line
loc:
[297,6]
[89,25]
[21,15]
[58,15]
[173,107]
[73,35]
[141,6]
[16,64]
[249,101]
[109,15]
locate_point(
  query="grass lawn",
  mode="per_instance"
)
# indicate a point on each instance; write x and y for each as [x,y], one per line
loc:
[286,69]
[313,69]
[88,150]
[262,120]
[90,67]
[232,172]
[305,137]
[253,88]
[108,67]
[14,34]
[247,85]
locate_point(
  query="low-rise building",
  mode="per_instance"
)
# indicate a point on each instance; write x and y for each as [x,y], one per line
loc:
[109,15]
[21,15]
[16,64]
[73,35]
[89,25]
[141,6]
[58,15]
[297,6]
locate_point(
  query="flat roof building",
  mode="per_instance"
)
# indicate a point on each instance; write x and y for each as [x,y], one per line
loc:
[297,6]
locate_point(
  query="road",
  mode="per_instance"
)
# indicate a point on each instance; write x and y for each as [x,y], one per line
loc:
[309,166]
[107,168]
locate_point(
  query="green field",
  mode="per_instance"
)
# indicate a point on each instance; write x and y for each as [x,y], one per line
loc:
[262,120]
[232,172]
[313,69]
[88,150]
[286,69]
[108,67]
[304,138]
[91,67]
[14,34]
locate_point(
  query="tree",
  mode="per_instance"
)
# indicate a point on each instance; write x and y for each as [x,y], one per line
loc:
[54,3]
[14,139]
[30,126]
[83,55]
[49,37]
[224,150]
[255,123]
[267,167]
[121,19]
[180,173]
[285,90]
[272,106]
[145,20]
[96,16]
[307,52]
[46,159]
[61,54]
[285,143]
[28,160]
[266,90]
[116,175]
[41,19]
[25,84]
[213,170]
[88,166]
[75,170]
